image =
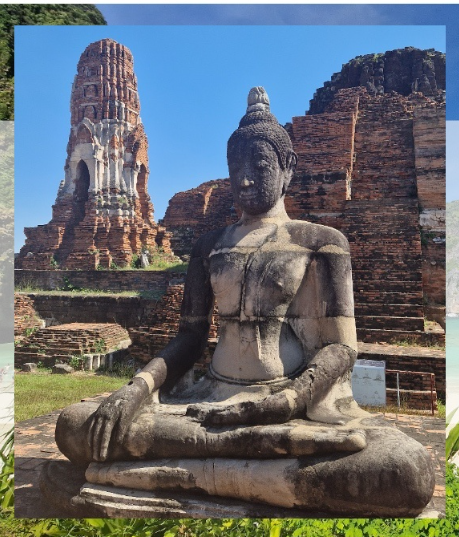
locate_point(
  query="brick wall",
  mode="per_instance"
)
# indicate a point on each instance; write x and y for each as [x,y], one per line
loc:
[161,325]
[430,143]
[192,213]
[103,280]
[25,315]
[59,309]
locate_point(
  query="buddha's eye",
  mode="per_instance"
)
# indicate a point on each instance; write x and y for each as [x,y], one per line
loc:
[261,164]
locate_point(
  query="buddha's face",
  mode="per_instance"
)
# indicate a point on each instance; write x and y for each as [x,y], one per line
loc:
[257,179]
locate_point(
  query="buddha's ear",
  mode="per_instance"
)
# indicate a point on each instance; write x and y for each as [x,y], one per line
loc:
[292,161]
[288,175]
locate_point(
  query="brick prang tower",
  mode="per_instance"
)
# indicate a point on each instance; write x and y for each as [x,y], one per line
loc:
[103,214]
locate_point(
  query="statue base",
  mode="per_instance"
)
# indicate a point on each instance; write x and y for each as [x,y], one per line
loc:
[392,476]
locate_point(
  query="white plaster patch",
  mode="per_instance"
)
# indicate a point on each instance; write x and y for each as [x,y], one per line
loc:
[433,220]
[332,249]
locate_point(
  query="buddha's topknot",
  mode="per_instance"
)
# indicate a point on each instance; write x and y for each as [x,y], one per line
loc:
[258,122]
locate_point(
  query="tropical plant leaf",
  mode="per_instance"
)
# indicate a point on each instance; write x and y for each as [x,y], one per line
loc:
[452,442]
[449,417]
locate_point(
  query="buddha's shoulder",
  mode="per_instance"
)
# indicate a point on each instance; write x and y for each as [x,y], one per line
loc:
[206,242]
[316,236]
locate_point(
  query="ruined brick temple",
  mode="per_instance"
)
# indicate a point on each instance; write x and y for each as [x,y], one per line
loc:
[372,164]
[103,214]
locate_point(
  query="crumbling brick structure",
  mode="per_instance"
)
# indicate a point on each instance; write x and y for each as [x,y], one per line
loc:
[371,164]
[59,343]
[196,211]
[103,213]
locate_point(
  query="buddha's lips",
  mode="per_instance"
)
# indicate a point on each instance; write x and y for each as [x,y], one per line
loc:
[248,194]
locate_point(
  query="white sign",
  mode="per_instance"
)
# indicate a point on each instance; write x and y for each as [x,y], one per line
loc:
[369,382]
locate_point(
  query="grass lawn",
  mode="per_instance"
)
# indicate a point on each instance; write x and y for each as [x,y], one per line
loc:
[40,393]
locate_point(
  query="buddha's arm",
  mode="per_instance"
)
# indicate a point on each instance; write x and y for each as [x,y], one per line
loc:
[297,400]
[195,318]
[113,417]
[331,318]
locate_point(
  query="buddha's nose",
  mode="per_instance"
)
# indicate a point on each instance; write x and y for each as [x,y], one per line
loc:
[246,182]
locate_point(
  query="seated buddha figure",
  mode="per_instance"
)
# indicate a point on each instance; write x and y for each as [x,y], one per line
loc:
[273,420]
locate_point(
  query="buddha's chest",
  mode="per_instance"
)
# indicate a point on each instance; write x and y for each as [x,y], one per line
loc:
[252,282]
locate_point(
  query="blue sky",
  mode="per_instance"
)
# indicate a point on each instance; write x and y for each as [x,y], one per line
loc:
[193,81]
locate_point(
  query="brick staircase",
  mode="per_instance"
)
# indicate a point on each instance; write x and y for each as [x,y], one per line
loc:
[386,260]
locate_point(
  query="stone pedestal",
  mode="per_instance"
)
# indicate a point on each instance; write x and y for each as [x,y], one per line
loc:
[388,475]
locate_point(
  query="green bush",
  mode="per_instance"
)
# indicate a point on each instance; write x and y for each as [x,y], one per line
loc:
[77,362]
[19,14]
[94,527]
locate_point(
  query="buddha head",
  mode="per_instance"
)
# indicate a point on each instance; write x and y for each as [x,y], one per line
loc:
[261,159]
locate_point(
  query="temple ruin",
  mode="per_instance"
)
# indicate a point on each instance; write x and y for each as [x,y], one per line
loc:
[103,215]
[372,164]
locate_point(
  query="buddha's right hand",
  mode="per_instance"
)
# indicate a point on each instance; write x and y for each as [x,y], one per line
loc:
[111,420]
[276,408]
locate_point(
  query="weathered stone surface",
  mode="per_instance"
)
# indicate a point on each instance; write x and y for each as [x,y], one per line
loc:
[274,420]
[294,481]
[62,369]
[103,213]
[61,483]
[266,474]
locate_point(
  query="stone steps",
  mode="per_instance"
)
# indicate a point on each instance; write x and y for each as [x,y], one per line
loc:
[388,282]
[392,310]
[391,322]
[398,280]
[380,298]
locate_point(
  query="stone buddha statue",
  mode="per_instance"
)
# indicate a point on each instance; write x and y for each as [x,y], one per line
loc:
[273,421]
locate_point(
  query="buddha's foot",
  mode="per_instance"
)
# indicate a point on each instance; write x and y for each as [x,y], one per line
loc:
[325,440]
